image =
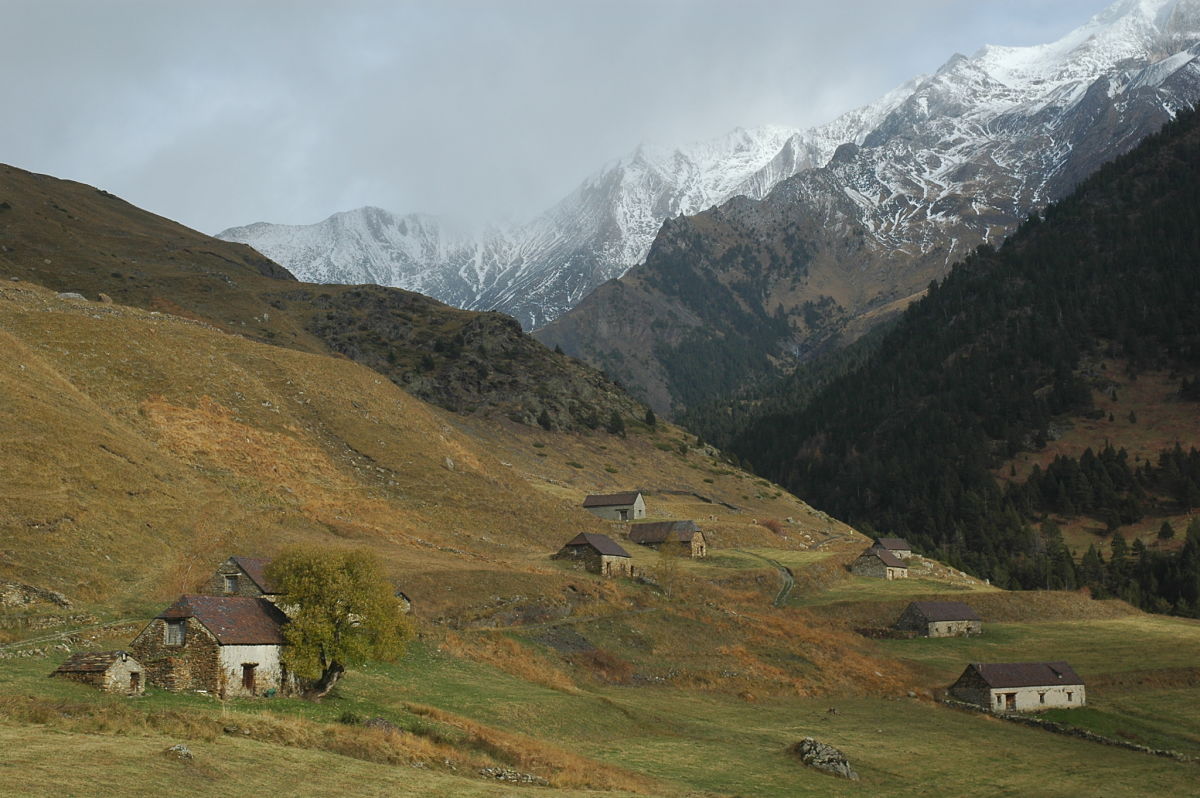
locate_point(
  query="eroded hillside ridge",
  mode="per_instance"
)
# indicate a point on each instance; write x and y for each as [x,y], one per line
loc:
[971,150]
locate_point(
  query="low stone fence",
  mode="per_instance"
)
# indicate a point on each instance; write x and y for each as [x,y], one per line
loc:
[1068,731]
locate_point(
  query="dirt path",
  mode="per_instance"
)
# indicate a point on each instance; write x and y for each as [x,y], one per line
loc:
[785,574]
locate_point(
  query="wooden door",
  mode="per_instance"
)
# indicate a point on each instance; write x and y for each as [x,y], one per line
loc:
[248,677]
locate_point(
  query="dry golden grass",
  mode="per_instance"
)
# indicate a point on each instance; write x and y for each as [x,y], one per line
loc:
[560,767]
[509,656]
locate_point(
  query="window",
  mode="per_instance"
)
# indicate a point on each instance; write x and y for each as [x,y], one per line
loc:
[175,633]
[1070,695]
[231,583]
[1041,698]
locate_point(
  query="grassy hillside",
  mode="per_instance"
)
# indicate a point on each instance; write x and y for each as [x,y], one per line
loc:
[72,237]
[142,447]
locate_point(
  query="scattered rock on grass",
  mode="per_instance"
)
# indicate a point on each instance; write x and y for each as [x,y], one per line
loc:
[824,757]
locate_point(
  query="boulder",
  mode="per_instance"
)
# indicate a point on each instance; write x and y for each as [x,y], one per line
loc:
[824,757]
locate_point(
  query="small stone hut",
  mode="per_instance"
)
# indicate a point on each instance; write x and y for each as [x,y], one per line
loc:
[940,619]
[684,535]
[1020,686]
[628,506]
[599,554]
[113,671]
[241,576]
[879,563]
[897,546]
[229,646]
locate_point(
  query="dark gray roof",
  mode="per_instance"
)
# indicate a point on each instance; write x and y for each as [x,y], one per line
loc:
[1026,674]
[91,661]
[892,544]
[611,499]
[945,611]
[233,620]
[256,569]
[889,559]
[661,531]
[601,543]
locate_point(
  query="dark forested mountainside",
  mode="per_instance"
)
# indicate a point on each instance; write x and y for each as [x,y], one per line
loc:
[980,369]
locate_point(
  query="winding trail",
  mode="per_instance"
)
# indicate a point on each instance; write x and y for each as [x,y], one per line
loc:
[785,573]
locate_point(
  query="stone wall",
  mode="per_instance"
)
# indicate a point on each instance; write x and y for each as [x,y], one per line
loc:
[193,666]
[268,672]
[615,566]
[584,557]
[215,586]
[953,628]
[869,566]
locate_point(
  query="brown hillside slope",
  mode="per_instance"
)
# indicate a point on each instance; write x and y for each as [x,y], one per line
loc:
[72,237]
[145,448]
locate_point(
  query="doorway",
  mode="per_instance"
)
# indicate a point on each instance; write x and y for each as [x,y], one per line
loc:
[248,669]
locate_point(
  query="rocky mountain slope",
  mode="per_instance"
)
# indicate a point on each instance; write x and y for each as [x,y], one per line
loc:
[76,238]
[752,285]
[538,270]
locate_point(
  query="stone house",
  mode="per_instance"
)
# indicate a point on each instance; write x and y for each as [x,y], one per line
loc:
[113,671]
[628,506]
[229,646]
[599,554]
[241,576]
[898,547]
[684,535]
[1020,686]
[940,619]
[879,563]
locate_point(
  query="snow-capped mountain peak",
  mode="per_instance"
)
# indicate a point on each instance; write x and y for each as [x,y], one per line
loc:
[970,108]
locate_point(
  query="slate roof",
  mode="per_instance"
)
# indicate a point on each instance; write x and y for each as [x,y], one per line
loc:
[945,611]
[892,544]
[601,543]
[889,559]
[611,499]
[660,531]
[1026,674]
[256,569]
[233,620]
[90,661]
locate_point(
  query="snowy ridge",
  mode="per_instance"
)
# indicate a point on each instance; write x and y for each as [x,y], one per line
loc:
[989,135]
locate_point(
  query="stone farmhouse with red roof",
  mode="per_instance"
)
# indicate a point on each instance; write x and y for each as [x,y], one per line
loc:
[1020,686]
[228,646]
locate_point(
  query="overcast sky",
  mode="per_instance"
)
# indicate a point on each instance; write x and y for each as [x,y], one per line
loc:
[224,112]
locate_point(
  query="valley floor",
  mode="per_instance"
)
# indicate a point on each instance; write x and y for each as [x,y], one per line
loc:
[454,715]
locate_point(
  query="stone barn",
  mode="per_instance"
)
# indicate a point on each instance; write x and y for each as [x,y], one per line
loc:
[896,546]
[940,619]
[599,554]
[684,535]
[113,671]
[229,646]
[1020,686]
[628,506]
[879,563]
[241,576]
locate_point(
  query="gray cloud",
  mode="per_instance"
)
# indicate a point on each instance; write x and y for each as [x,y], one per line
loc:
[227,112]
